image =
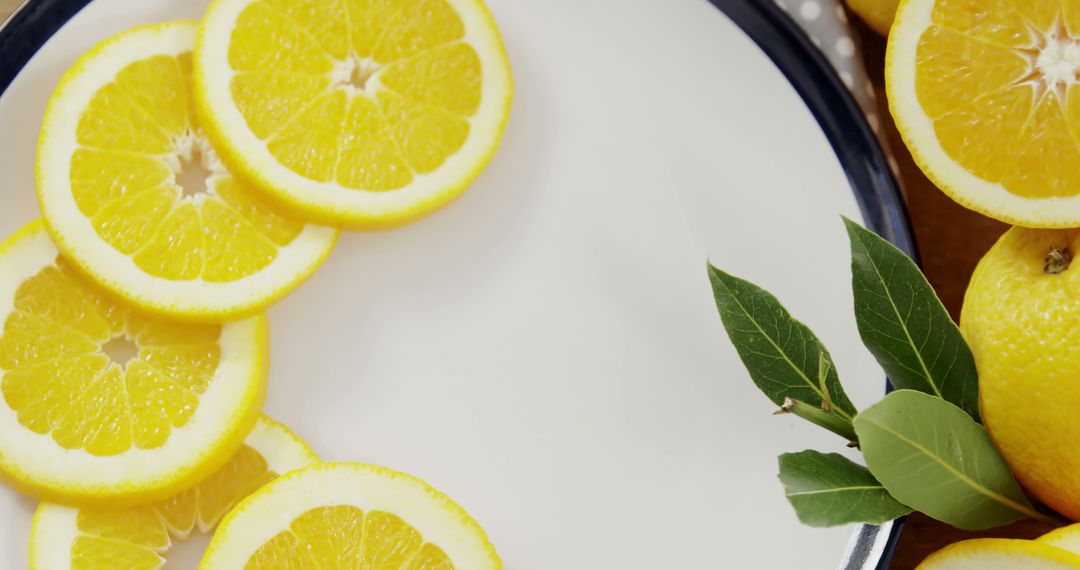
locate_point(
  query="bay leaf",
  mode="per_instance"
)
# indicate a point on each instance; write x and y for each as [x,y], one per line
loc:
[932,456]
[905,326]
[828,489]
[781,354]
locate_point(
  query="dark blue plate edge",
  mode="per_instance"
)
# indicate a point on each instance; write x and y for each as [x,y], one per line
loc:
[862,159]
[813,77]
[27,29]
[856,147]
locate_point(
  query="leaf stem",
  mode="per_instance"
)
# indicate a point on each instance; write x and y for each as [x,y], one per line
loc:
[823,374]
[829,420]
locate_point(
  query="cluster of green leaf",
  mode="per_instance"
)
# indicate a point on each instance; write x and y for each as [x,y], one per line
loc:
[923,445]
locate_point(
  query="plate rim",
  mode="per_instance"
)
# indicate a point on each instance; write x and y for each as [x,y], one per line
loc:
[863,161]
[858,150]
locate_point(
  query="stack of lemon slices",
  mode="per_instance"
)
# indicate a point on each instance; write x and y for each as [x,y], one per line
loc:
[189,175]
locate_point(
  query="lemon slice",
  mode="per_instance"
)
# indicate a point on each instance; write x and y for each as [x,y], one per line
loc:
[1066,538]
[64,538]
[365,113]
[104,406]
[349,515]
[136,197]
[985,96]
[1000,553]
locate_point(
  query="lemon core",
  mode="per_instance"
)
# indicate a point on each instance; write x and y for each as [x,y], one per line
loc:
[1059,60]
[1053,61]
[353,73]
[121,349]
[194,173]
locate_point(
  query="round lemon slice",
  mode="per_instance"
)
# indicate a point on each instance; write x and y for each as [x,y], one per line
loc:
[349,515]
[103,406]
[134,194]
[993,553]
[364,114]
[64,538]
[1066,537]
[985,96]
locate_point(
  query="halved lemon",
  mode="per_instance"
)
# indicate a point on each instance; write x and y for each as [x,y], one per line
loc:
[103,406]
[990,553]
[363,113]
[349,515]
[121,163]
[138,538]
[985,96]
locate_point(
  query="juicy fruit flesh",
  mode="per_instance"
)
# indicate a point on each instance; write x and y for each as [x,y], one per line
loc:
[999,82]
[136,538]
[365,94]
[59,379]
[344,536]
[137,141]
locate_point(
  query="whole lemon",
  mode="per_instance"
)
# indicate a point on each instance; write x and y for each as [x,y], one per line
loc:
[1021,317]
[878,14]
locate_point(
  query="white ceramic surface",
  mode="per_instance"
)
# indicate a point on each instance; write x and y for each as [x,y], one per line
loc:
[546,349]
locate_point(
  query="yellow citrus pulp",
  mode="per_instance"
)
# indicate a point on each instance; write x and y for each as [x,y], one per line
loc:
[985,95]
[1021,316]
[106,406]
[119,141]
[349,515]
[65,538]
[364,113]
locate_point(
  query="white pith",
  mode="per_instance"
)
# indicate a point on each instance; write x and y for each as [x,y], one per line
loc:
[271,510]
[329,198]
[36,459]
[118,271]
[1059,61]
[1055,62]
[55,526]
[346,70]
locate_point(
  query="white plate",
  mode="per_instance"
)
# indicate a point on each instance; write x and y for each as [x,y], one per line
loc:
[546,349]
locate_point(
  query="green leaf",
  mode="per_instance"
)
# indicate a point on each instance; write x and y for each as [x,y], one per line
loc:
[781,354]
[828,420]
[828,489]
[903,323]
[933,457]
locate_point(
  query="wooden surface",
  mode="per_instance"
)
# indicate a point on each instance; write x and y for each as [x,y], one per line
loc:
[7,7]
[951,240]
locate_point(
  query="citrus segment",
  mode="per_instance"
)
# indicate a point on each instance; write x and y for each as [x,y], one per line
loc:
[64,538]
[366,113]
[981,95]
[137,198]
[1000,553]
[347,515]
[104,404]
